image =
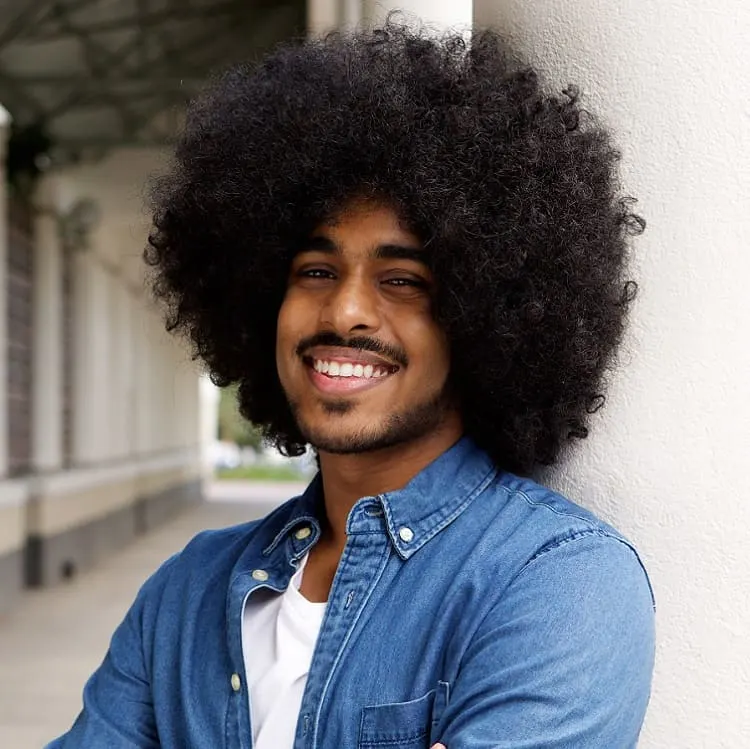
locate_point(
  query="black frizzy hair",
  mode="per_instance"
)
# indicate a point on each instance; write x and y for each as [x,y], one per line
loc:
[513,190]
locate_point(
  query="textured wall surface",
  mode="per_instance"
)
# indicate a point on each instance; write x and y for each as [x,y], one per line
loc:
[667,459]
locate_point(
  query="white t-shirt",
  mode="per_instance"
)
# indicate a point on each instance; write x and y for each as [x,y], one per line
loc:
[279,631]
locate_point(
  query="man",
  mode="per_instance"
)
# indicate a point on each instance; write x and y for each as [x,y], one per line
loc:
[412,259]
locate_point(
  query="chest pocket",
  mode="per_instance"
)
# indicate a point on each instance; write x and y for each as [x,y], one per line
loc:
[406,725]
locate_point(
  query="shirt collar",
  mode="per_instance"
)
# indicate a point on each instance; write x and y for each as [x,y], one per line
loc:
[436,496]
[301,514]
[413,515]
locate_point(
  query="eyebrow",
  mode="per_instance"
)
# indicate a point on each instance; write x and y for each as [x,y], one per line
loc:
[389,251]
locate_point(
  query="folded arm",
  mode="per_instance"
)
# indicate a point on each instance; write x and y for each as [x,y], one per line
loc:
[564,660]
[118,710]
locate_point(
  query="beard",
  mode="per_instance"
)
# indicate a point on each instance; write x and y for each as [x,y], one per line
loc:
[398,428]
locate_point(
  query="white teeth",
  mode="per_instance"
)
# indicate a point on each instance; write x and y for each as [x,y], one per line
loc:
[347,369]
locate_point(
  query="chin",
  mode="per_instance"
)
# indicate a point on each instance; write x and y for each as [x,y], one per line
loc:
[341,440]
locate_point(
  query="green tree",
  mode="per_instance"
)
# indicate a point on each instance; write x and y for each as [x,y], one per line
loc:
[232,426]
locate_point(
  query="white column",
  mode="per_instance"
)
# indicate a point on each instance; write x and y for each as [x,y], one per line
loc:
[5,120]
[437,14]
[667,459]
[150,404]
[138,408]
[118,367]
[351,13]
[91,388]
[141,356]
[160,413]
[47,366]
[190,404]
[165,387]
[322,16]
[209,418]
[127,299]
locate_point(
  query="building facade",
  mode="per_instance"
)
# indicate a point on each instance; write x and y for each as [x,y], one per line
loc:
[100,413]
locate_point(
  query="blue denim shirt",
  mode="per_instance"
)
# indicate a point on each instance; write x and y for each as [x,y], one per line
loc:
[472,607]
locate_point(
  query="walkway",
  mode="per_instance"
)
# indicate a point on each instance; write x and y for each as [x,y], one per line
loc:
[52,641]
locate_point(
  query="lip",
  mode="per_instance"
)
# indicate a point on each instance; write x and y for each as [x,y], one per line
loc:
[343,385]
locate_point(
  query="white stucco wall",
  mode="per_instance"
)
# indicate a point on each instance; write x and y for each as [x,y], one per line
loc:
[666,462]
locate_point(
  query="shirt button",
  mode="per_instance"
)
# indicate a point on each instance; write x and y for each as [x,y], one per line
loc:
[261,575]
[406,534]
[303,533]
[236,682]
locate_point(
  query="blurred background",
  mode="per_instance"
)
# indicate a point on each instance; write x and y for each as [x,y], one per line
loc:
[114,450]
[110,438]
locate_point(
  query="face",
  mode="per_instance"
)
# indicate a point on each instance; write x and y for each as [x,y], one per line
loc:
[362,361]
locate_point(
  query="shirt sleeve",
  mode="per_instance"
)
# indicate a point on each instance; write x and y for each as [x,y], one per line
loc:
[564,659]
[118,709]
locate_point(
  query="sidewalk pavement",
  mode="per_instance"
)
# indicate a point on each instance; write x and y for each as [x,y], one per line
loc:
[54,638]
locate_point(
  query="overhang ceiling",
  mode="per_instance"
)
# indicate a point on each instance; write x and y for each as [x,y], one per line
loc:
[80,77]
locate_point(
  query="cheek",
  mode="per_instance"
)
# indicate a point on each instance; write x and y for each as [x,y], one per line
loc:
[286,333]
[439,352]
[296,320]
[429,346]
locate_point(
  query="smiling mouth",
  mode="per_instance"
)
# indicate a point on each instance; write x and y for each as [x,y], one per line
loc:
[337,369]
[341,376]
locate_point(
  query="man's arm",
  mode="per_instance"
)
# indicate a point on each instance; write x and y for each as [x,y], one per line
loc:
[117,702]
[564,661]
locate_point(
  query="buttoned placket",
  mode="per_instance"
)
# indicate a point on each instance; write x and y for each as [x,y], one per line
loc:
[275,568]
[389,526]
[362,563]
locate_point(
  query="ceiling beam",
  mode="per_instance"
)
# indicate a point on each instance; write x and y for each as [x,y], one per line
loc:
[157,67]
[21,22]
[84,80]
[146,20]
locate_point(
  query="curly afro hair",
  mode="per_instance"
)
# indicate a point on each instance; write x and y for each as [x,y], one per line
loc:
[514,190]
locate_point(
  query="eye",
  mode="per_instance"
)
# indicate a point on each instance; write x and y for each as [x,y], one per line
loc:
[314,274]
[406,283]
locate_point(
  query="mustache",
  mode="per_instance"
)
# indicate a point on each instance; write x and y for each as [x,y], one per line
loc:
[360,343]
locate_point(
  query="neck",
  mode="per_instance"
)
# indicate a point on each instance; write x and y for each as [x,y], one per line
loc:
[348,478]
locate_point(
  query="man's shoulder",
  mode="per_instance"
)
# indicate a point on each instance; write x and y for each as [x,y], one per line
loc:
[539,508]
[550,510]
[528,520]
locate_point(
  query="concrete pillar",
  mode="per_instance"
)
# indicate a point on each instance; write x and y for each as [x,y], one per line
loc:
[351,13]
[119,367]
[91,387]
[209,418]
[667,458]
[437,14]
[189,403]
[322,16]
[47,406]
[148,369]
[5,121]
[128,394]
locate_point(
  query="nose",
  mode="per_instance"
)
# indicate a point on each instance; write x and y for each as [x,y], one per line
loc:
[352,306]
